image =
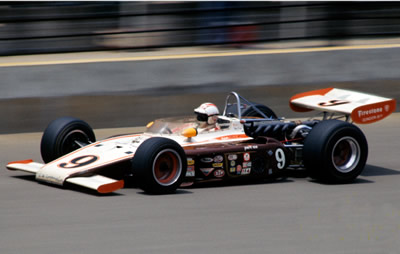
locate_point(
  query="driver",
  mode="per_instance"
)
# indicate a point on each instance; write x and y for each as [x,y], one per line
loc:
[207,115]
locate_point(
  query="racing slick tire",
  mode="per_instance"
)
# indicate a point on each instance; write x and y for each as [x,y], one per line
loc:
[266,110]
[335,152]
[159,165]
[63,136]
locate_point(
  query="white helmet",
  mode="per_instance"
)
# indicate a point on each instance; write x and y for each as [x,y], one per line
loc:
[207,112]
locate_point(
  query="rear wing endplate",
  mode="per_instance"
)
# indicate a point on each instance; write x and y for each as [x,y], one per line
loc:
[361,107]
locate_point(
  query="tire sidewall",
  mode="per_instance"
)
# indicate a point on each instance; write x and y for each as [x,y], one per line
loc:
[55,133]
[318,149]
[143,161]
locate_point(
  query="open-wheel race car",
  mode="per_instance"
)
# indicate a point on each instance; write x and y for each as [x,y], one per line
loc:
[247,141]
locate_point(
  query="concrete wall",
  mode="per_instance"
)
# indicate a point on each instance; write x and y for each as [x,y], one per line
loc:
[234,71]
[121,94]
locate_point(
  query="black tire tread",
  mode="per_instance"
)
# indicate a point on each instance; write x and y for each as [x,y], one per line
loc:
[143,160]
[318,142]
[55,131]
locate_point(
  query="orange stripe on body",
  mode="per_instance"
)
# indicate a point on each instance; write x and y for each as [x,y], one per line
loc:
[223,138]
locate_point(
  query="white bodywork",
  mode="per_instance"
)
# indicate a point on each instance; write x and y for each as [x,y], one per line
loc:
[80,166]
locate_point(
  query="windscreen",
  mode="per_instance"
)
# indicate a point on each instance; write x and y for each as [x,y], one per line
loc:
[173,125]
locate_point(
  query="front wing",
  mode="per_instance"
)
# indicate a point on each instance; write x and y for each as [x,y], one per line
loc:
[99,183]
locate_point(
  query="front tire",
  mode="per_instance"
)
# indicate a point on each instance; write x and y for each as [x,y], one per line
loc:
[159,165]
[63,136]
[335,152]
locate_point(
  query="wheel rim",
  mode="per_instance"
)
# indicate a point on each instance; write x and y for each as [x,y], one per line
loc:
[346,154]
[71,141]
[167,167]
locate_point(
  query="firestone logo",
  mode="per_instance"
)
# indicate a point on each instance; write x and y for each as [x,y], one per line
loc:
[373,111]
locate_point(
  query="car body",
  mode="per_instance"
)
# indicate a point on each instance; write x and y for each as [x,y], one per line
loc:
[249,141]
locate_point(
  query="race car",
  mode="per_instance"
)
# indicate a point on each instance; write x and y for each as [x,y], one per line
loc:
[247,141]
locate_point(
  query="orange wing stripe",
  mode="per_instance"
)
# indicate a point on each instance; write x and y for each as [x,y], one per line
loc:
[111,187]
[20,162]
[310,93]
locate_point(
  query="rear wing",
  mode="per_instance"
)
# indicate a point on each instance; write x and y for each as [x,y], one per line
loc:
[361,107]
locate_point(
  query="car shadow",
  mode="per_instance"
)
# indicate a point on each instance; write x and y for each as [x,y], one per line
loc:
[371,170]
[356,181]
[222,184]
[177,192]
[131,184]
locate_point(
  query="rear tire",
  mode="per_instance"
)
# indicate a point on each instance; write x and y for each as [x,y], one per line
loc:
[61,137]
[159,165]
[335,152]
[253,113]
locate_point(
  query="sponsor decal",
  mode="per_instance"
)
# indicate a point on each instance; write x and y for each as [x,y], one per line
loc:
[218,158]
[270,153]
[270,171]
[206,160]
[219,173]
[232,157]
[246,156]
[367,112]
[42,176]
[250,147]
[246,164]
[232,170]
[190,161]
[237,126]
[233,163]
[190,171]
[373,112]
[246,171]
[206,171]
[238,169]
[217,165]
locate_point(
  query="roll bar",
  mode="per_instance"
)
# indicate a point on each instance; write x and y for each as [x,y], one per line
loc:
[239,100]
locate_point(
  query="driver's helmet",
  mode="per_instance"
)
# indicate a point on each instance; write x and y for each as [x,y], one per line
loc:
[207,112]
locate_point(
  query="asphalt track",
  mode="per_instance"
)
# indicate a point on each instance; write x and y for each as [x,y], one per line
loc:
[294,215]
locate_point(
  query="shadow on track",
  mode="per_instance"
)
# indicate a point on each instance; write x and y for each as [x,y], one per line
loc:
[371,170]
